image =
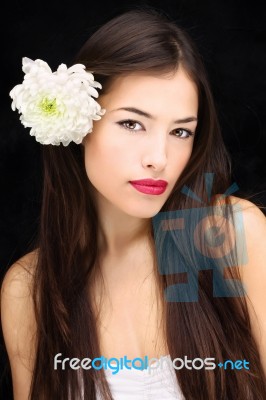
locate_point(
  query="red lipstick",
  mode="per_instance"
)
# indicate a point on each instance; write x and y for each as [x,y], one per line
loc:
[149,186]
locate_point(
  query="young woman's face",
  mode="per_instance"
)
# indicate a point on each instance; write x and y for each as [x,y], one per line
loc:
[146,133]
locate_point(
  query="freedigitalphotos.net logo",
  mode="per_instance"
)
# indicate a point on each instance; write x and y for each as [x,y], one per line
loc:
[150,364]
[198,239]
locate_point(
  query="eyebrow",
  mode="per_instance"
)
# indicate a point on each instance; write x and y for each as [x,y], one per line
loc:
[147,115]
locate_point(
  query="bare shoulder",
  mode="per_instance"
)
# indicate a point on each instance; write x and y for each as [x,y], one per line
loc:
[250,209]
[254,229]
[18,322]
[250,231]
[254,221]
[16,295]
[18,279]
[253,271]
[253,218]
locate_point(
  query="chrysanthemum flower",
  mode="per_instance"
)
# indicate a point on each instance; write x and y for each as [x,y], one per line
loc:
[57,106]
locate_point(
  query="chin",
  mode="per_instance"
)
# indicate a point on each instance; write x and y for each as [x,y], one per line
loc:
[144,213]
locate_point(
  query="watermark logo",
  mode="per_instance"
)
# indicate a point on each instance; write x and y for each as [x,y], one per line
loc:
[150,364]
[202,238]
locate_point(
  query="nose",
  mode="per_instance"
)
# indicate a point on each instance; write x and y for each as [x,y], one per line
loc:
[155,153]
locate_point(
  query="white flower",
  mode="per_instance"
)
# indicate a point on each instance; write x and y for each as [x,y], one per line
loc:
[57,106]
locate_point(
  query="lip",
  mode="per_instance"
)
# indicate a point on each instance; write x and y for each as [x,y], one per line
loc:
[150,186]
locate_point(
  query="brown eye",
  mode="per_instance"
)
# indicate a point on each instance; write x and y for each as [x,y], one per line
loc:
[182,133]
[131,125]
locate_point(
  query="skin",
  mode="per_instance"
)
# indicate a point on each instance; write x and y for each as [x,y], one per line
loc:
[116,153]
[157,148]
[113,156]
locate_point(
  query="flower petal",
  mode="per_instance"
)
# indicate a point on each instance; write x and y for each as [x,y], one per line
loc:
[57,106]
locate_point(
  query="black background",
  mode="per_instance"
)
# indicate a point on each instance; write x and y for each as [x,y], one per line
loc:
[231,36]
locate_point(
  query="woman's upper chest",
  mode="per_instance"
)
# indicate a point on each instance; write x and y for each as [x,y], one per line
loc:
[130,315]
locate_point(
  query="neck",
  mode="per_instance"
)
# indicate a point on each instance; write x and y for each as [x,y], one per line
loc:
[120,232]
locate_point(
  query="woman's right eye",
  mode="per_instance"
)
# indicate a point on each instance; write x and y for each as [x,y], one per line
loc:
[130,125]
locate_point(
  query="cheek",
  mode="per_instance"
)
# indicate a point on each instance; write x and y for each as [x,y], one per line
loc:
[101,162]
[188,155]
[93,158]
[182,158]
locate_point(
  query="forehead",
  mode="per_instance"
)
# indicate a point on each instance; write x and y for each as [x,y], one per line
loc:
[175,91]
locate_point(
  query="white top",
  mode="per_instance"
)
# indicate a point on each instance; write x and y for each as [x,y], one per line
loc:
[134,384]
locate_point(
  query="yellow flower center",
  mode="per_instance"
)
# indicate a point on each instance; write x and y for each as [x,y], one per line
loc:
[48,106]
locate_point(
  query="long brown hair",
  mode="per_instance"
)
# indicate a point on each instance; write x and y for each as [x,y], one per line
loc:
[138,40]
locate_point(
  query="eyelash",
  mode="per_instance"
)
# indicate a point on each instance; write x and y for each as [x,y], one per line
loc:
[126,121]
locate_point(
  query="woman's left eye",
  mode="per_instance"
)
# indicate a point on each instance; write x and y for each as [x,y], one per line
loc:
[130,125]
[182,133]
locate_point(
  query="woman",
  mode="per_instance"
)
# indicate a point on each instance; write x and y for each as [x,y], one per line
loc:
[91,287]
